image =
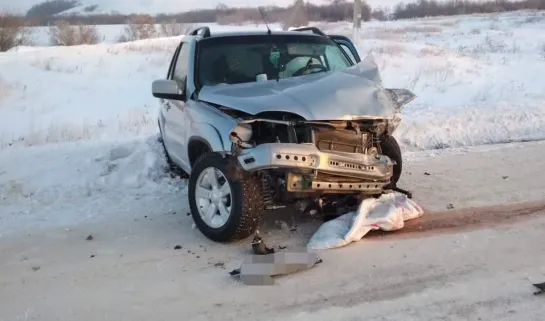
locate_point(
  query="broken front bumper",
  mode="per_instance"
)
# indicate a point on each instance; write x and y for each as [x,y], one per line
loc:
[367,173]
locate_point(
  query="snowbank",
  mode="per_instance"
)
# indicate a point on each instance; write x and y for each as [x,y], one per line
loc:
[64,185]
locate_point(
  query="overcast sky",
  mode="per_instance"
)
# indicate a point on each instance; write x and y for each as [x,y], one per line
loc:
[156,6]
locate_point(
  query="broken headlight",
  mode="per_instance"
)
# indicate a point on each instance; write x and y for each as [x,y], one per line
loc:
[241,135]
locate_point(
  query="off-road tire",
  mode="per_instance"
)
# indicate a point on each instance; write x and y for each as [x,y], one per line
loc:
[390,148]
[247,202]
[173,169]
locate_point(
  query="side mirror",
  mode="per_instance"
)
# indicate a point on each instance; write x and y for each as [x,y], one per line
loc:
[167,89]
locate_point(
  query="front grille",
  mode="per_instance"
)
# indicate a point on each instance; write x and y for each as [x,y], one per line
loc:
[348,141]
[341,164]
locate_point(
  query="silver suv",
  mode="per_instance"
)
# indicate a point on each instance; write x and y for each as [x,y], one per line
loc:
[263,120]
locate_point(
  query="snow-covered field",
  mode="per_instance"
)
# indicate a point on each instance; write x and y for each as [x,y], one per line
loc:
[482,75]
[78,155]
[479,80]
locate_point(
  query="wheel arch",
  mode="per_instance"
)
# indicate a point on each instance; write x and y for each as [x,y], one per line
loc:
[196,147]
[205,137]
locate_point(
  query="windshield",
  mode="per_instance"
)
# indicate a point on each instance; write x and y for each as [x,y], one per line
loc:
[243,59]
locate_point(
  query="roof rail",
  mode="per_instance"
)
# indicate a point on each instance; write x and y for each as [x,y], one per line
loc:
[201,31]
[313,29]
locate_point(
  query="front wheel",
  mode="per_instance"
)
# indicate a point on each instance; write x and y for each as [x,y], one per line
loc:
[390,148]
[223,209]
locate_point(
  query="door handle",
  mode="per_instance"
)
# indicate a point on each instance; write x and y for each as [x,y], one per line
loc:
[167,106]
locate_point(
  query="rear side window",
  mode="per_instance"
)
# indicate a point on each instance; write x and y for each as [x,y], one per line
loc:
[180,69]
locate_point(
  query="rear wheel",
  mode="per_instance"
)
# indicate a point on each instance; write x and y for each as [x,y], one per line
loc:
[390,148]
[223,209]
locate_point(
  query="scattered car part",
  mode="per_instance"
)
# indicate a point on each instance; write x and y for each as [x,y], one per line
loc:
[259,247]
[541,287]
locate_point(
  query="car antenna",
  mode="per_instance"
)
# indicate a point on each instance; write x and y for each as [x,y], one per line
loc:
[264,20]
[269,33]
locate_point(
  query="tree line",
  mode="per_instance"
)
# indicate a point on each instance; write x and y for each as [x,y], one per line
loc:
[49,12]
[432,8]
[78,29]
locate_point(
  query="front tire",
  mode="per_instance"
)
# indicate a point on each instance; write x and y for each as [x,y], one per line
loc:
[224,209]
[390,148]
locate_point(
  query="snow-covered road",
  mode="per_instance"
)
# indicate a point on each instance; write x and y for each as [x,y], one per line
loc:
[477,273]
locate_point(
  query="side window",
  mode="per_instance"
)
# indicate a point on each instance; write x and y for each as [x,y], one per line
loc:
[180,69]
[348,52]
[335,58]
[172,62]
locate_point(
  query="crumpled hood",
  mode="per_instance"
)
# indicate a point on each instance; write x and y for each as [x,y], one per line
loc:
[353,92]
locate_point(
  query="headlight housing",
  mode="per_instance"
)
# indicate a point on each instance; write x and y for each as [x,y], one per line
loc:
[241,135]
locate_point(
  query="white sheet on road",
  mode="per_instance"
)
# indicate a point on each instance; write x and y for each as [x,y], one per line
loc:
[388,213]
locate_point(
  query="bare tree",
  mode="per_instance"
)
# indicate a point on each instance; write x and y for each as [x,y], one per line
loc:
[140,27]
[298,16]
[379,14]
[13,31]
[231,18]
[62,34]
[88,34]
[174,29]
[65,34]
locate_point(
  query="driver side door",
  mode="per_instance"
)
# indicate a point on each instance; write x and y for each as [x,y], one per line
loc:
[176,124]
[165,106]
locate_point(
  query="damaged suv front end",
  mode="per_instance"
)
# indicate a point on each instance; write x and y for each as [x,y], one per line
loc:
[265,120]
[317,163]
[325,157]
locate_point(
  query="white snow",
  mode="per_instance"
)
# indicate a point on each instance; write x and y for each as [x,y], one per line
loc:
[79,154]
[480,80]
[63,185]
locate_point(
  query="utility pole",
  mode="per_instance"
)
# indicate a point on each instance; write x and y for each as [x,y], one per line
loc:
[357,21]
[297,9]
